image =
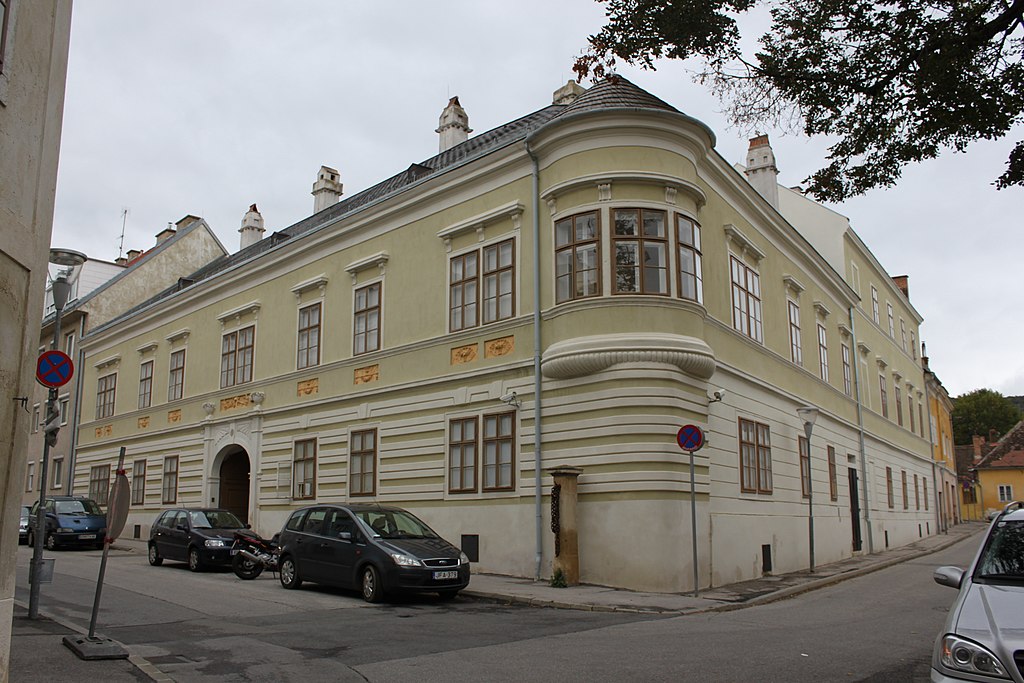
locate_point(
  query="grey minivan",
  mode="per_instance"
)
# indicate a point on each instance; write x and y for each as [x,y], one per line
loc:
[983,638]
[372,548]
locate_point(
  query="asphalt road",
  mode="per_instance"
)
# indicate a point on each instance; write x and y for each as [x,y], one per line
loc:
[212,626]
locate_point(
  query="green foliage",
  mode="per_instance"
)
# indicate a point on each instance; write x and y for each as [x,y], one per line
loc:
[558,580]
[894,82]
[982,410]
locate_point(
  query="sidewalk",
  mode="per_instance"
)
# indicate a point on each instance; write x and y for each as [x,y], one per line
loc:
[38,653]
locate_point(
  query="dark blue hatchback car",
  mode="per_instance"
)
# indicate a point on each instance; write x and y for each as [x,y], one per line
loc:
[70,521]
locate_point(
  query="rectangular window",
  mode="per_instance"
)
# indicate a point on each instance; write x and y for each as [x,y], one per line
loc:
[309,337]
[805,466]
[304,470]
[1005,493]
[499,276]
[176,380]
[917,495]
[746,299]
[833,483]
[169,486]
[920,415]
[795,351]
[822,352]
[106,388]
[847,371]
[874,306]
[366,325]
[925,487]
[99,483]
[139,482]
[691,274]
[903,477]
[883,393]
[910,411]
[499,449]
[69,344]
[236,353]
[462,455]
[898,401]
[362,463]
[892,324]
[913,346]
[37,418]
[58,473]
[755,457]
[30,478]
[577,257]
[64,407]
[146,384]
[888,487]
[903,334]
[462,291]
[640,245]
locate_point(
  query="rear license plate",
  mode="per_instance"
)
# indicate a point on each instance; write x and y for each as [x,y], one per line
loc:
[87,537]
[441,576]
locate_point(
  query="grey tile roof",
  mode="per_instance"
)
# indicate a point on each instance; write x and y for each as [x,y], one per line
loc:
[615,92]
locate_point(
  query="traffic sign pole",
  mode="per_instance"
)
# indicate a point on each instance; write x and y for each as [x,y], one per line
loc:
[691,438]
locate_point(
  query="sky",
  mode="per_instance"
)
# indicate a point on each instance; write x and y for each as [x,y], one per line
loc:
[198,107]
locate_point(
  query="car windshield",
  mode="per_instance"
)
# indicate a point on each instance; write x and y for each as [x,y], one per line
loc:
[214,519]
[77,507]
[395,524]
[1003,556]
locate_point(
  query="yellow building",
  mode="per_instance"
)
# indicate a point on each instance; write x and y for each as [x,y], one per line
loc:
[1001,472]
[948,491]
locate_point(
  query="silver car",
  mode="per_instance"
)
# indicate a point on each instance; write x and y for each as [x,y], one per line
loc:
[983,639]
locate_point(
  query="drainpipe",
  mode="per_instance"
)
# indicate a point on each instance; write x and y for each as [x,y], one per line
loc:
[860,431]
[537,388]
[73,418]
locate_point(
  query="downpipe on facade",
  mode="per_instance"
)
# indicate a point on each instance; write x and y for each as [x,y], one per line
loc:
[860,431]
[537,422]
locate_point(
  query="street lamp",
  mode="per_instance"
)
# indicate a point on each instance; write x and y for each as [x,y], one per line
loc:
[61,290]
[809,414]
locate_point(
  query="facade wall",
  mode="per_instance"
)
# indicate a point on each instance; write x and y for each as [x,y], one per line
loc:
[621,372]
[994,477]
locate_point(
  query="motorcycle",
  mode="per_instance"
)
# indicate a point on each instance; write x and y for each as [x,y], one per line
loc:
[250,554]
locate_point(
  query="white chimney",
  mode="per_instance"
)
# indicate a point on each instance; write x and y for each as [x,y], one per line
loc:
[762,173]
[453,126]
[327,188]
[568,93]
[252,227]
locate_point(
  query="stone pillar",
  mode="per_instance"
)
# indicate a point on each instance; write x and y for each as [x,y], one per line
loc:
[563,522]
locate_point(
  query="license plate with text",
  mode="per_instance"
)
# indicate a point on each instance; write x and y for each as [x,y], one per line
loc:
[441,576]
[87,537]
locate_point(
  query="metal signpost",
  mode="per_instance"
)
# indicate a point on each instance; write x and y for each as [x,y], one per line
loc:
[691,438]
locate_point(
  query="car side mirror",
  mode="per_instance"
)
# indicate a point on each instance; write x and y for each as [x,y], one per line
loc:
[949,576]
[345,535]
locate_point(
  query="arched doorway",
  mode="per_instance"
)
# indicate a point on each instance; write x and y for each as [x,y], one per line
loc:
[234,484]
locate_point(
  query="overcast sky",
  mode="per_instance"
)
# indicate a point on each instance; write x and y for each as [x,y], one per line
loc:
[207,107]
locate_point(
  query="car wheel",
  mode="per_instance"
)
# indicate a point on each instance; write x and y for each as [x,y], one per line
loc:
[289,573]
[51,541]
[194,563]
[447,595]
[372,589]
[154,556]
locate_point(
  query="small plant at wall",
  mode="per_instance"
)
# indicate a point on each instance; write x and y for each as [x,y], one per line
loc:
[558,579]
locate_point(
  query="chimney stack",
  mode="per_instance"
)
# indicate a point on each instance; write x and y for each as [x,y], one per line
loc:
[903,282]
[252,227]
[165,234]
[762,173]
[977,441]
[453,126]
[568,93]
[327,188]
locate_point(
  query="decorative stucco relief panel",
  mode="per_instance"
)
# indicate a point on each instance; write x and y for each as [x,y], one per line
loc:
[464,354]
[371,373]
[499,347]
[308,387]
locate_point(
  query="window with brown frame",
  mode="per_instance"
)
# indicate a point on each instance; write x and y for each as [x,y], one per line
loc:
[481,286]
[139,482]
[888,487]
[892,323]
[691,274]
[106,390]
[884,395]
[746,299]
[796,353]
[499,452]
[804,447]
[462,291]
[236,356]
[924,483]
[822,352]
[146,384]
[169,483]
[917,495]
[362,463]
[874,306]
[910,411]
[920,415]
[366,321]
[755,457]
[906,501]
[309,337]
[640,246]
[99,483]
[176,380]
[847,371]
[577,257]
[462,450]
[833,484]
[499,275]
[304,470]
[903,334]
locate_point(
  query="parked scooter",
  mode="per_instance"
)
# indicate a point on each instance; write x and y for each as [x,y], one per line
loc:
[250,554]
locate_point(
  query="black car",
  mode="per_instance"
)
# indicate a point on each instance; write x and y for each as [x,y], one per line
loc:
[70,521]
[371,548]
[23,525]
[200,536]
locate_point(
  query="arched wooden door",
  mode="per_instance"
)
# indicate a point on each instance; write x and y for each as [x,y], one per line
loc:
[234,484]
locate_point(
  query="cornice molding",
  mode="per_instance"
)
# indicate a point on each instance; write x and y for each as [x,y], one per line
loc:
[742,243]
[380,260]
[604,182]
[318,282]
[590,355]
[512,210]
[237,313]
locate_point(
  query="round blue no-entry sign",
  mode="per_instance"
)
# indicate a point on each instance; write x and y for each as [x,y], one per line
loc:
[690,438]
[54,369]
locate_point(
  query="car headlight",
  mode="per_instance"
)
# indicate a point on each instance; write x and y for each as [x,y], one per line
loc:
[963,655]
[463,558]
[214,543]
[405,560]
